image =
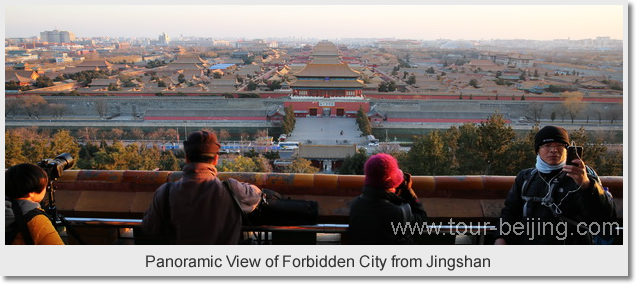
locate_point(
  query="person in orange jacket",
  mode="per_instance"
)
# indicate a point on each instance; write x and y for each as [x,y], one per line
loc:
[25,221]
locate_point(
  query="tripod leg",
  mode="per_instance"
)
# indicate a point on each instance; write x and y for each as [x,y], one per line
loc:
[70,229]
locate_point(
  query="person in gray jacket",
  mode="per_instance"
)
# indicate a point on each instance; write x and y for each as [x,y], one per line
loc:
[198,209]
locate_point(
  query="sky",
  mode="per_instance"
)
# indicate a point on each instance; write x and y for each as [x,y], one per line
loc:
[419,22]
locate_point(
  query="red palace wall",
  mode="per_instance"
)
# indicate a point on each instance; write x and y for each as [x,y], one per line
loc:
[342,109]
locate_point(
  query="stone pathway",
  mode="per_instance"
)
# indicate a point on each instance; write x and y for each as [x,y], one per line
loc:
[326,131]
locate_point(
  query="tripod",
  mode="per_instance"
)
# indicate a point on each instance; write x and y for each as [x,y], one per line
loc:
[56,218]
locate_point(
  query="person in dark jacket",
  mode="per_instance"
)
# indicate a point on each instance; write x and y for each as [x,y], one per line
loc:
[386,206]
[554,203]
[198,209]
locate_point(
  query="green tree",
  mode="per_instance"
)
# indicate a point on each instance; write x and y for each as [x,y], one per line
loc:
[11,85]
[86,154]
[239,164]
[289,120]
[384,87]
[495,137]
[168,162]
[261,164]
[467,137]
[392,86]
[111,157]
[363,122]
[272,155]
[113,87]
[301,166]
[150,156]
[62,142]
[429,156]
[13,149]
[251,86]
[274,85]
[354,165]
[594,151]
[411,80]
[43,81]
[520,154]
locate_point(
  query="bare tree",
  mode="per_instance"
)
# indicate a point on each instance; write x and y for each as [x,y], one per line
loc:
[598,110]
[87,133]
[57,110]
[171,134]
[101,106]
[12,106]
[573,104]
[615,112]
[116,133]
[536,109]
[260,133]
[224,135]
[157,134]
[561,111]
[138,134]
[33,105]
[574,108]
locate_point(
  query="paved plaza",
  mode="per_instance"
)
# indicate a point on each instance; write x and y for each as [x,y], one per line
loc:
[326,131]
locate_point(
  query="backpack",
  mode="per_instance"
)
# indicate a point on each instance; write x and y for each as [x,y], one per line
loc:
[597,239]
[20,224]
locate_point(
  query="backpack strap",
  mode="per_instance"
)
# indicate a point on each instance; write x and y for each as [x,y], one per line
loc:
[406,212]
[169,228]
[524,188]
[21,221]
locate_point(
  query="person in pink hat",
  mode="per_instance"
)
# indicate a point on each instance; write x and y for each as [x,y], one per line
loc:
[386,203]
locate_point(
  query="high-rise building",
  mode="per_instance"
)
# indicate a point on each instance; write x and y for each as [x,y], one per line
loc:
[57,36]
[164,39]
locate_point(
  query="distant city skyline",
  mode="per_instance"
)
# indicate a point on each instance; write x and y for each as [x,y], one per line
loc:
[417,22]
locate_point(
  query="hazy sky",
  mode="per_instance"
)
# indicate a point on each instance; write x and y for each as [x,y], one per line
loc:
[426,22]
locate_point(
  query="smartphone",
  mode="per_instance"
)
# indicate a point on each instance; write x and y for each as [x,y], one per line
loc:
[574,152]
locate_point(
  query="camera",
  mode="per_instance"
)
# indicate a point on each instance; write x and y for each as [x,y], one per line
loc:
[56,166]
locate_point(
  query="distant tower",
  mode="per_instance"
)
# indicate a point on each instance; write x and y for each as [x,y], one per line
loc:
[57,36]
[164,39]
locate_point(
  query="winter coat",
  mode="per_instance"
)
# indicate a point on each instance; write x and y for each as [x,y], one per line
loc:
[375,215]
[42,230]
[559,217]
[201,210]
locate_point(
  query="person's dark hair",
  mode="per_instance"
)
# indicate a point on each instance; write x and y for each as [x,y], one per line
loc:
[22,179]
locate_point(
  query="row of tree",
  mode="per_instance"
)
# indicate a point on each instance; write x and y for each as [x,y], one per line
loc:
[30,145]
[488,148]
[27,145]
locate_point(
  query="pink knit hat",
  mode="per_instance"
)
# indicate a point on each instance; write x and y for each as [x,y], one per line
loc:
[382,171]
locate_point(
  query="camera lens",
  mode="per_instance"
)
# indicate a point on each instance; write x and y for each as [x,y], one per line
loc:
[66,160]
